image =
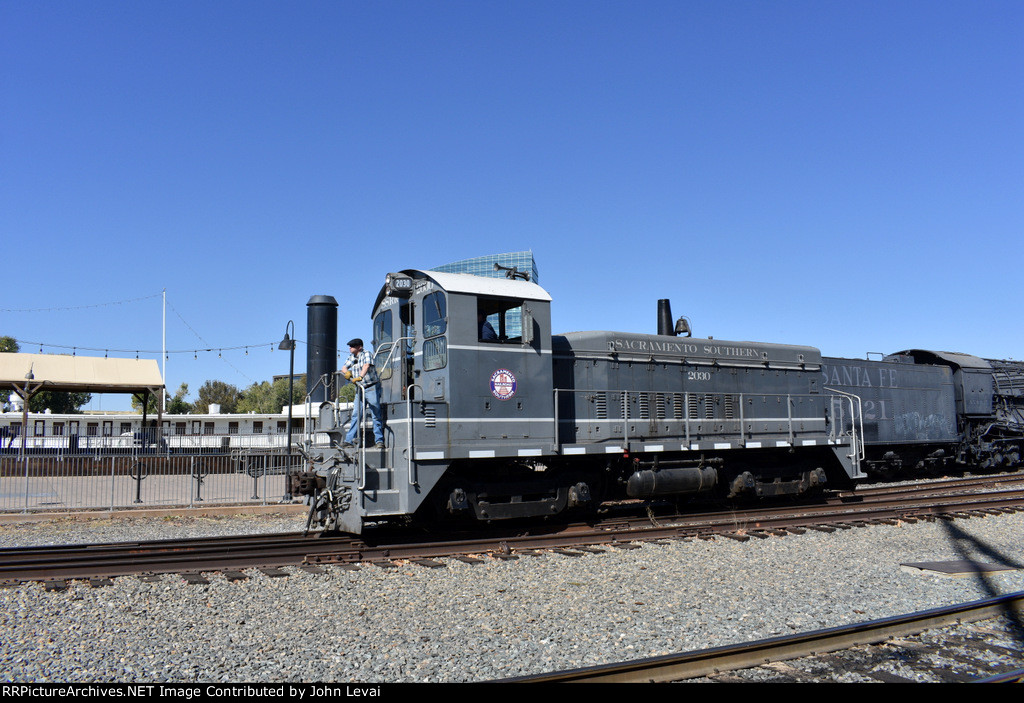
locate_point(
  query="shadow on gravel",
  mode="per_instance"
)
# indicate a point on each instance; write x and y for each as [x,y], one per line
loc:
[969,547]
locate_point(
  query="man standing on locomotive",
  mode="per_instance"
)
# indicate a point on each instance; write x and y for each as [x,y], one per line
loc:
[359,370]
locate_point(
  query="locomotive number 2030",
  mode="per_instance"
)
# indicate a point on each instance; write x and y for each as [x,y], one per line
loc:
[698,375]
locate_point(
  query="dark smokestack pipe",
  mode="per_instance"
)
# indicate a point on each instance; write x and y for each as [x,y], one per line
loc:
[322,343]
[665,326]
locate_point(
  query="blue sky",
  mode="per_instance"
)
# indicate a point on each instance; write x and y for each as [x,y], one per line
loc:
[848,175]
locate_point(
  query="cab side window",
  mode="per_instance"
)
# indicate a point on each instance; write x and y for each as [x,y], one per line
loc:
[499,319]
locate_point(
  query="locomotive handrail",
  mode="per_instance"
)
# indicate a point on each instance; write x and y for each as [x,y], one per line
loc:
[789,418]
[625,419]
[557,434]
[391,350]
[361,438]
[856,416]
[408,453]
[307,412]
[685,418]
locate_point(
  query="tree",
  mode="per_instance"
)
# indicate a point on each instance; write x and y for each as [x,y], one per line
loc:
[55,402]
[217,392]
[176,405]
[59,403]
[269,397]
[347,393]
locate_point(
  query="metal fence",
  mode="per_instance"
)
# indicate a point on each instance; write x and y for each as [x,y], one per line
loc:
[142,477]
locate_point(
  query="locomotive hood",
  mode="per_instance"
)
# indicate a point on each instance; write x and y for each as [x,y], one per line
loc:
[644,347]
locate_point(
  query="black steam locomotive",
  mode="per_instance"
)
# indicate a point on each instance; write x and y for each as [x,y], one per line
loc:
[505,420]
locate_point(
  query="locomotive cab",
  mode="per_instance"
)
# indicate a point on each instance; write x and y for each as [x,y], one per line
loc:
[470,358]
[464,364]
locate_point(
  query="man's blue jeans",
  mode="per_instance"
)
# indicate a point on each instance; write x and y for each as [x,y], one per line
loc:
[373,405]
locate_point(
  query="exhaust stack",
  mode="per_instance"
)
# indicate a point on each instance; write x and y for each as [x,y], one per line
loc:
[321,346]
[665,318]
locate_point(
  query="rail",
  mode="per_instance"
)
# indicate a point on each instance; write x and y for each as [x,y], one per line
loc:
[708,662]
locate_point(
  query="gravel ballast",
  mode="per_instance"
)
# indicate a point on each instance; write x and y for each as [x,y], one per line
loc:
[466,622]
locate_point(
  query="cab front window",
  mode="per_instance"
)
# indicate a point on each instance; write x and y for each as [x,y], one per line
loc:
[383,336]
[435,315]
[435,324]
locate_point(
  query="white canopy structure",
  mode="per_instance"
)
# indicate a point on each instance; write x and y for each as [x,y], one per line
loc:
[28,374]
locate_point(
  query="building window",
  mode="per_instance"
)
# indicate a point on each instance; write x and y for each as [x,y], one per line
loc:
[282,427]
[73,427]
[108,428]
[126,427]
[58,428]
[92,429]
[179,428]
[208,428]
[232,428]
[257,427]
[40,428]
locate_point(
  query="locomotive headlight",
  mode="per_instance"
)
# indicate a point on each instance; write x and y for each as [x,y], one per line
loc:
[398,285]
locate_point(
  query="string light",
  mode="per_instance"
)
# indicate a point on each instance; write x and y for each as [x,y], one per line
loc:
[30,343]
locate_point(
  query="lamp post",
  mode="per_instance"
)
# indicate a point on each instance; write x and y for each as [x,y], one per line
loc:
[288,344]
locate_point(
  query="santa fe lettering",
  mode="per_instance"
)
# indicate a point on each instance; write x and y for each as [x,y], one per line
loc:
[858,377]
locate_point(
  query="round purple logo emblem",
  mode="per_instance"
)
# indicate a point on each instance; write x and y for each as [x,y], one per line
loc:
[503,384]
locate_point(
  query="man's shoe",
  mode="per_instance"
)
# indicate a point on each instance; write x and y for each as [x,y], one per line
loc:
[347,445]
[378,445]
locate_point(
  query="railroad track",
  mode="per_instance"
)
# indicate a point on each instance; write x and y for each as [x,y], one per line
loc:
[982,640]
[96,562]
[99,561]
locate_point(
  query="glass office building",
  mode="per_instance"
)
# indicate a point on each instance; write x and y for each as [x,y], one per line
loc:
[484,265]
[521,261]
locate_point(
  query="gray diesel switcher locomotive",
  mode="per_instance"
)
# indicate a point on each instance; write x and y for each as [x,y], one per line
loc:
[514,422]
